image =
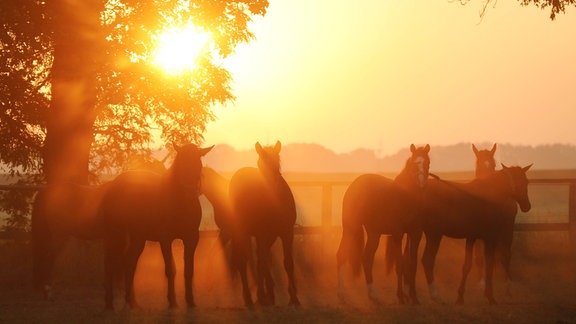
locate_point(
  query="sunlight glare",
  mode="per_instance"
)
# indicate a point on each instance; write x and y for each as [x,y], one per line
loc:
[179,48]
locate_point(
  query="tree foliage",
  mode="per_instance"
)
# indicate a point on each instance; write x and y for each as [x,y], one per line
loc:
[136,99]
[556,6]
[136,102]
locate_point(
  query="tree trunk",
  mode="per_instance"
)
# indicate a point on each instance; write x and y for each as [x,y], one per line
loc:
[77,56]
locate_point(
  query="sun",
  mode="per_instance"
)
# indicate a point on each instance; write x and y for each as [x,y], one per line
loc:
[179,48]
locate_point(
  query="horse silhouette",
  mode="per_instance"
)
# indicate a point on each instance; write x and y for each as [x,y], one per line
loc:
[485,165]
[214,187]
[143,205]
[382,206]
[61,211]
[482,209]
[264,208]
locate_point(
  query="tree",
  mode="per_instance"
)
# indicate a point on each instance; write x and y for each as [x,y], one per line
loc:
[80,89]
[556,6]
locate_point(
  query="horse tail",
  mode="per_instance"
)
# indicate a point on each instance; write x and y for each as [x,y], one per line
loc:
[391,257]
[352,242]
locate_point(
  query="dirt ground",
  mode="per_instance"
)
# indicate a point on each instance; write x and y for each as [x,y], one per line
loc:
[543,290]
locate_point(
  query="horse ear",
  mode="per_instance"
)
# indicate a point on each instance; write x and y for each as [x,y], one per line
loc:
[258,147]
[176,147]
[493,150]
[412,148]
[474,149]
[277,147]
[504,166]
[204,151]
[427,148]
[526,168]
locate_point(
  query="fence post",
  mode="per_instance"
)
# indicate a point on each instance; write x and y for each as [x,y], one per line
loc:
[326,205]
[572,214]
[326,216]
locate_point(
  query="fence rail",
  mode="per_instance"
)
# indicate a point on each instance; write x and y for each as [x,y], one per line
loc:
[327,199]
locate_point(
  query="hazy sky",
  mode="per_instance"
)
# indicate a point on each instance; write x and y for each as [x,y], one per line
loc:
[383,74]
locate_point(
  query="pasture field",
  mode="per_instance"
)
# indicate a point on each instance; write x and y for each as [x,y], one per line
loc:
[543,267]
[543,290]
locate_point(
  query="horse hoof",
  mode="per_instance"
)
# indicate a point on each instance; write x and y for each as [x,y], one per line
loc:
[294,302]
[374,300]
[460,301]
[437,300]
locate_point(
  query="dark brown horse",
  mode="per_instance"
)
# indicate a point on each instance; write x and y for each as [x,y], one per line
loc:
[61,211]
[214,187]
[485,162]
[382,206]
[485,165]
[482,209]
[264,208]
[142,205]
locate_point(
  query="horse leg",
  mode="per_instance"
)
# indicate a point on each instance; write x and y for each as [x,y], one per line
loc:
[465,269]
[265,283]
[505,249]
[414,240]
[114,249]
[396,240]
[169,270]
[479,258]
[370,248]
[190,245]
[287,241]
[428,260]
[489,251]
[46,251]
[135,248]
[241,248]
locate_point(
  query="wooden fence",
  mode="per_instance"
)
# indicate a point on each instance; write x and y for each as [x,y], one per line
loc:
[327,203]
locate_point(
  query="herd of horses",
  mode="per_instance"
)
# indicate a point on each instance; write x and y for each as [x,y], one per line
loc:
[257,205]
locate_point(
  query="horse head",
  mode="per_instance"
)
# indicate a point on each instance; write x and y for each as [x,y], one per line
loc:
[418,165]
[519,185]
[485,162]
[269,158]
[187,166]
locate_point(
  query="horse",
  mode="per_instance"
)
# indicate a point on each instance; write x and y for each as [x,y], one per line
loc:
[61,211]
[264,208]
[214,187]
[141,206]
[482,209]
[382,206]
[485,162]
[485,165]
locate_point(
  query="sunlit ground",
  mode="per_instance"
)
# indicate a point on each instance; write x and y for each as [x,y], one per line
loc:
[544,289]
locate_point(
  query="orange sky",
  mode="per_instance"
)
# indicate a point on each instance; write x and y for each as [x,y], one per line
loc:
[384,74]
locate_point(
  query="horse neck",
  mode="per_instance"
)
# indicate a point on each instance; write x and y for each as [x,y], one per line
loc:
[174,182]
[481,171]
[274,179]
[405,180]
[497,184]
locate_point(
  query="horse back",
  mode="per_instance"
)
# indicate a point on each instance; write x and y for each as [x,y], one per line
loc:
[69,209]
[463,210]
[379,203]
[145,204]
